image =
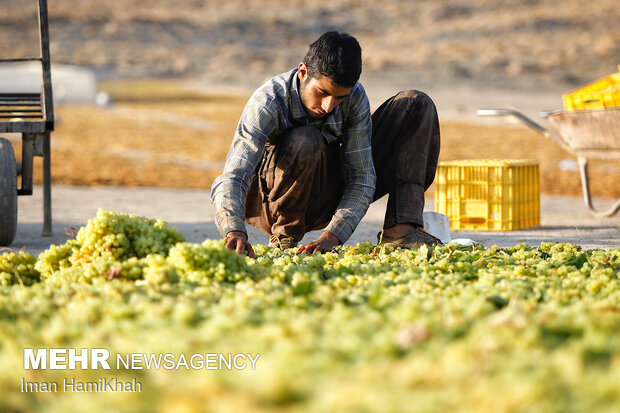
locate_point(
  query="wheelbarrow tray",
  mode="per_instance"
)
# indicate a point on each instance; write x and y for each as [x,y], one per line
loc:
[589,133]
[592,133]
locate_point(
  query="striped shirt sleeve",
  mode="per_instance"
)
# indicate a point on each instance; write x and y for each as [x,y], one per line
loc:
[359,167]
[229,191]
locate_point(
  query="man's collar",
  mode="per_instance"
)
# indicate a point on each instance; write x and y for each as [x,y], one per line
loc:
[297,107]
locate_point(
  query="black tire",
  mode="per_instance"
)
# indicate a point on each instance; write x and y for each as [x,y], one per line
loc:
[8,193]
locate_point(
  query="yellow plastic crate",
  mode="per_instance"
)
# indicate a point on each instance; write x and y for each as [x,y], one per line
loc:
[604,93]
[489,194]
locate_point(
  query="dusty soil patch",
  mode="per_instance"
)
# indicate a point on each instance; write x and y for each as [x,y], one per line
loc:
[159,134]
[535,43]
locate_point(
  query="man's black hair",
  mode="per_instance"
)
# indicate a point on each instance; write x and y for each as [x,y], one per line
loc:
[338,56]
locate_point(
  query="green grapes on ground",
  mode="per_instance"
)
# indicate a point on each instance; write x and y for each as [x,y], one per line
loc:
[18,268]
[363,328]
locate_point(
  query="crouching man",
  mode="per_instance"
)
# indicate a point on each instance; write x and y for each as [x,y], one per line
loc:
[307,155]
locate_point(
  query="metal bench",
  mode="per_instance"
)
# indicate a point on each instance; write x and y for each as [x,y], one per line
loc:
[32,115]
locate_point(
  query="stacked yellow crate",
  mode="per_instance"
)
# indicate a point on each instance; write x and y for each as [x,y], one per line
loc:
[604,93]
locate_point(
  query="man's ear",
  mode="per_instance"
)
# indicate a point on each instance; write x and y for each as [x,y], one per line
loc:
[302,71]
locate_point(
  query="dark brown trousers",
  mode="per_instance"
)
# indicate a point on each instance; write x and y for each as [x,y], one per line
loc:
[299,181]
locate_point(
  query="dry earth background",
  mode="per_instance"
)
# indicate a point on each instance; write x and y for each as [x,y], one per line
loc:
[546,43]
[179,74]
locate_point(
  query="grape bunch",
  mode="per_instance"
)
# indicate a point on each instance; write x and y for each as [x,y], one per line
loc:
[18,268]
[110,244]
[208,262]
[117,237]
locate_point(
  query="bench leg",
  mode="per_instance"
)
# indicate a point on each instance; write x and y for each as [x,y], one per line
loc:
[28,152]
[47,187]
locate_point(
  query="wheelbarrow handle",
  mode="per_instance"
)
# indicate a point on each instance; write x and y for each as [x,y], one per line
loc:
[516,114]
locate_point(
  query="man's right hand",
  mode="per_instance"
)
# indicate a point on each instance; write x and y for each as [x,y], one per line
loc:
[238,241]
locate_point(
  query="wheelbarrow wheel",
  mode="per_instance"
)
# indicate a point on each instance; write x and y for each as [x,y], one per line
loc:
[8,193]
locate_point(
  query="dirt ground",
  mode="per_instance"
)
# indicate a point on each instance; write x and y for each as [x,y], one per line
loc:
[550,44]
[164,131]
[160,134]
[562,218]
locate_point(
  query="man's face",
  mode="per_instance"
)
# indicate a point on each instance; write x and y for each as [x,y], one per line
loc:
[319,96]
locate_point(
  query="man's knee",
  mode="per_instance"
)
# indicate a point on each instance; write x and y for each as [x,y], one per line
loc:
[305,143]
[416,100]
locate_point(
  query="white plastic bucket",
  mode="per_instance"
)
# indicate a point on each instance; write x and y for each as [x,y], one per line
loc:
[438,225]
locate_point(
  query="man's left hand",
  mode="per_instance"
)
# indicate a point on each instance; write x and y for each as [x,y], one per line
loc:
[326,242]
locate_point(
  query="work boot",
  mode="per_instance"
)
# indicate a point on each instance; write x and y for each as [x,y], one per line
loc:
[415,238]
[282,241]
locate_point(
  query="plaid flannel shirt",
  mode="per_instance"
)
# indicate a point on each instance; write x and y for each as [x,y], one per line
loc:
[275,107]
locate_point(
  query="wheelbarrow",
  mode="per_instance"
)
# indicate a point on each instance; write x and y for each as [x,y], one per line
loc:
[587,134]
